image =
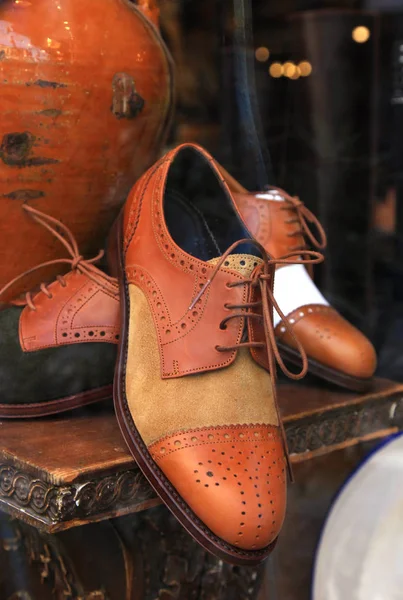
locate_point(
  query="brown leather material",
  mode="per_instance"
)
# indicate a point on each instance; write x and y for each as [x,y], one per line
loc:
[187,296]
[280,225]
[240,393]
[180,278]
[272,223]
[178,327]
[330,340]
[81,306]
[187,315]
[232,477]
[82,310]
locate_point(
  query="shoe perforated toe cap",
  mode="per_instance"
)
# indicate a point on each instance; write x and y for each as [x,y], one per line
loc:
[232,477]
[331,340]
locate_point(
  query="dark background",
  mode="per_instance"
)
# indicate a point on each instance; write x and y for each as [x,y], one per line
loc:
[333,138]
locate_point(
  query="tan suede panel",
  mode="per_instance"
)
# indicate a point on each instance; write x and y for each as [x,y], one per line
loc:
[242,263]
[239,394]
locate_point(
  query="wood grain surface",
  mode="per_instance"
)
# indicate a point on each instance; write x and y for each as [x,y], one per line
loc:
[63,471]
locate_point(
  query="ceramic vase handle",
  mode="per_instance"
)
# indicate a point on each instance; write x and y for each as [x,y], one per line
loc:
[149,8]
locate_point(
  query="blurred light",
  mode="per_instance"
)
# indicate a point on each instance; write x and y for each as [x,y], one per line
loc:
[296,74]
[276,70]
[262,54]
[360,34]
[289,69]
[305,68]
[52,43]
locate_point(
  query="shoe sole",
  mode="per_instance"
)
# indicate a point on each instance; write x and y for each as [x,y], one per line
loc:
[54,407]
[353,384]
[168,494]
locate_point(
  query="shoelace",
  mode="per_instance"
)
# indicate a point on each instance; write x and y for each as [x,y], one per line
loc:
[263,276]
[77,262]
[304,217]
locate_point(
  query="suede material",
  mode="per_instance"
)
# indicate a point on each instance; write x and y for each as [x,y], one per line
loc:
[242,263]
[238,394]
[50,374]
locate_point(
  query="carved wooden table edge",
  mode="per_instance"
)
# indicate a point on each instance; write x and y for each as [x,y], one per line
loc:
[53,508]
[314,426]
[317,432]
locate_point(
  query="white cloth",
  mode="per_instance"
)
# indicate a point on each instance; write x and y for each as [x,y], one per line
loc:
[294,288]
[361,549]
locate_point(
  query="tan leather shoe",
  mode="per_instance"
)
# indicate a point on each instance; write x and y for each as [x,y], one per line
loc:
[337,351]
[58,345]
[193,395]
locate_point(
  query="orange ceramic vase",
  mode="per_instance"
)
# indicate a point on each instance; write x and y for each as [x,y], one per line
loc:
[86,100]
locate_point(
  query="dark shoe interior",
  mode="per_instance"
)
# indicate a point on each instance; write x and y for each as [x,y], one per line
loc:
[198,212]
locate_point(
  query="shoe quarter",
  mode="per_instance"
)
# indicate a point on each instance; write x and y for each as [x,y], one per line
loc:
[83,311]
[271,223]
[171,279]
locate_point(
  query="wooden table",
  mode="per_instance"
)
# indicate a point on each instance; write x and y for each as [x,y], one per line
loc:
[61,472]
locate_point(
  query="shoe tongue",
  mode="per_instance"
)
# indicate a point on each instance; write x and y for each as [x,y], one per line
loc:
[242,263]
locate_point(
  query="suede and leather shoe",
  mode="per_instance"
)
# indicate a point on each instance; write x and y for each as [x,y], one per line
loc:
[58,350]
[337,351]
[194,386]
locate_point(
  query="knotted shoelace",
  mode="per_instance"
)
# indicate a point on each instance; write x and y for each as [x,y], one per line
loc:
[304,217]
[77,261]
[263,277]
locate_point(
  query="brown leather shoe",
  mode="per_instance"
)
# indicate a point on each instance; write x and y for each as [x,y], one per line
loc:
[58,346]
[337,351]
[193,395]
